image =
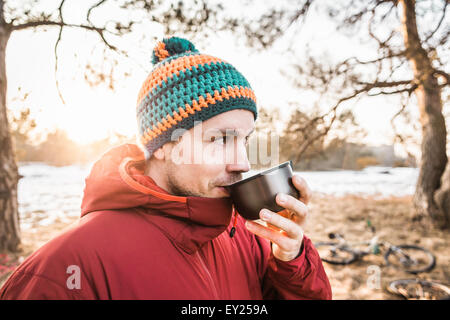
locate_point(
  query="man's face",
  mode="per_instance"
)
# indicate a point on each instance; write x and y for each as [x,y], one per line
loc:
[209,156]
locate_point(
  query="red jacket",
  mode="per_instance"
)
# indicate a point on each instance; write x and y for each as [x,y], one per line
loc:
[136,241]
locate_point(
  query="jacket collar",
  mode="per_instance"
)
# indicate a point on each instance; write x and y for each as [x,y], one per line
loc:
[117,181]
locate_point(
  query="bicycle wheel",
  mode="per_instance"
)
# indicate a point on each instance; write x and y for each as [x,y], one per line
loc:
[416,289]
[332,253]
[410,258]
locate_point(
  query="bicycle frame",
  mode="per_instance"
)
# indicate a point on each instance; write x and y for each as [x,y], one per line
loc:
[372,245]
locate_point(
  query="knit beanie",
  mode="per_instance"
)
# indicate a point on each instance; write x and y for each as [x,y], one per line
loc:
[186,86]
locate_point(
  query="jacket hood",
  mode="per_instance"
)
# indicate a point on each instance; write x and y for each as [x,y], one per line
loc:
[117,182]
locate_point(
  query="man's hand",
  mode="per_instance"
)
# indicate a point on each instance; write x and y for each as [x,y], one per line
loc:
[285,227]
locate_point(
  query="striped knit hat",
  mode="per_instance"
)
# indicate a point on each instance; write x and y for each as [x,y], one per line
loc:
[186,86]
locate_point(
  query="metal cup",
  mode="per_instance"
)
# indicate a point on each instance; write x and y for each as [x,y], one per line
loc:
[256,192]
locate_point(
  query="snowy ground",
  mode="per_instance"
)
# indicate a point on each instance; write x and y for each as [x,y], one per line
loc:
[53,194]
[48,194]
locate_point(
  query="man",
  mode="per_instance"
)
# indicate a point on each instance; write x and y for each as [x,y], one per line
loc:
[156,220]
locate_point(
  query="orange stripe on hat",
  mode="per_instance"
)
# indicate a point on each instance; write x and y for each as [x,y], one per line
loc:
[160,51]
[166,71]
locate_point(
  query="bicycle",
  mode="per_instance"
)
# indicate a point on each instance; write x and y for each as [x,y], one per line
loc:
[411,258]
[417,289]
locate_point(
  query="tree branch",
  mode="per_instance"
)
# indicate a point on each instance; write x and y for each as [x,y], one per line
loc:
[88,16]
[382,58]
[320,134]
[444,75]
[352,19]
[56,51]
[404,105]
[40,23]
[393,5]
[300,13]
[397,136]
[383,84]
[393,69]
[439,23]
[99,31]
[383,92]
[271,26]
[383,45]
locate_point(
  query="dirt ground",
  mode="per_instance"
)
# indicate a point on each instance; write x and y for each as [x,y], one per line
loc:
[391,217]
[345,215]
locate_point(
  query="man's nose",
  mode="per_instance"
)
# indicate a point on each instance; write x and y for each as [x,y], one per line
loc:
[239,160]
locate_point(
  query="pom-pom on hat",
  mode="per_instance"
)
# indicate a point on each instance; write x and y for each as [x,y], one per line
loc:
[186,86]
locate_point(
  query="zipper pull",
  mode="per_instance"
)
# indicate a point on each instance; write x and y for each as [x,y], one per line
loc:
[233,229]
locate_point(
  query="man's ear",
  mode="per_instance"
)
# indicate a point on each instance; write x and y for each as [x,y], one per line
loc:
[159,153]
[164,152]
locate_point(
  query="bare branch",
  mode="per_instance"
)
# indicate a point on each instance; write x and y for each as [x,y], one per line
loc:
[383,45]
[99,31]
[404,105]
[382,58]
[383,92]
[324,132]
[352,19]
[393,5]
[393,69]
[444,75]
[397,136]
[300,13]
[383,84]
[88,16]
[40,23]
[320,134]
[56,51]
[439,23]
[444,38]
[270,26]
[368,7]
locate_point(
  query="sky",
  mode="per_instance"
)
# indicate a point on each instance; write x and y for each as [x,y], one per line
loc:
[91,113]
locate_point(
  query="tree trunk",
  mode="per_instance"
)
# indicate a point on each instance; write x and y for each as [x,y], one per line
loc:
[9,214]
[442,196]
[434,134]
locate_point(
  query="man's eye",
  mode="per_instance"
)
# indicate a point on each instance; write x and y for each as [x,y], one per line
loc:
[221,140]
[225,139]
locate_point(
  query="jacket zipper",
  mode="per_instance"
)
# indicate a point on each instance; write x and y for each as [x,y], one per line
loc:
[216,295]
